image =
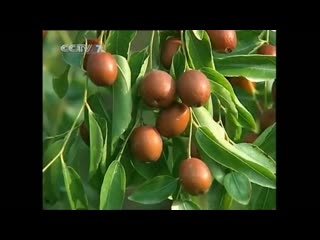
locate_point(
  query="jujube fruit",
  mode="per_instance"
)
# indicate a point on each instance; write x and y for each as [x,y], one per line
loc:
[267,49]
[223,41]
[244,83]
[195,176]
[146,144]
[250,137]
[158,89]
[93,49]
[102,68]
[170,47]
[193,88]
[267,118]
[172,121]
[84,133]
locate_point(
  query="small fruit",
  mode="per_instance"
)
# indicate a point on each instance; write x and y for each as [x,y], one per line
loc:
[173,120]
[193,88]
[84,133]
[158,89]
[267,118]
[244,83]
[194,150]
[195,176]
[250,137]
[93,43]
[224,41]
[170,47]
[146,143]
[273,91]
[102,68]
[267,49]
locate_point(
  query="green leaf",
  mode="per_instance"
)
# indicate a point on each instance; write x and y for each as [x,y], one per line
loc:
[136,61]
[229,156]
[245,118]
[267,141]
[216,196]
[104,130]
[238,187]
[184,205]
[122,101]
[262,198]
[209,106]
[259,156]
[155,190]
[96,144]
[113,187]
[98,106]
[233,127]
[254,67]
[198,33]
[74,59]
[179,153]
[75,191]
[154,51]
[61,84]
[136,84]
[118,42]
[199,51]
[204,119]
[178,65]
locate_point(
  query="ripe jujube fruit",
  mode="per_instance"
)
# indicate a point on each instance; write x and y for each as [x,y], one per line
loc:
[146,144]
[172,121]
[244,83]
[250,137]
[84,133]
[223,41]
[93,42]
[267,49]
[158,89]
[193,88]
[170,47]
[267,118]
[102,68]
[195,176]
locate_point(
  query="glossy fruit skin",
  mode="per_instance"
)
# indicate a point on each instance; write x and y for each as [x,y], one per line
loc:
[223,41]
[267,49]
[84,133]
[146,144]
[194,150]
[250,137]
[244,83]
[195,176]
[93,42]
[193,88]
[170,47]
[102,69]
[158,89]
[267,118]
[172,121]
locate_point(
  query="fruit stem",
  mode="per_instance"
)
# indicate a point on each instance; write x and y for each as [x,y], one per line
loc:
[149,67]
[268,36]
[101,36]
[190,134]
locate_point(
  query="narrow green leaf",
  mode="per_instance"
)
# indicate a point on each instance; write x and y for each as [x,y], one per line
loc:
[136,61]
[122,101]
[75,191]
[245,118]
[255,67]
[96,144]
[99,106]
[184,205]
[199,51]
[229,156]
[154,51]
[198,33]
[179,153]
[258,155]
[155,190]
[233,127]
[104,130]
[215,196]
[74,58]
[267,141]
[262,198]
[61,83]
[238,186]
[178,65]
[113,187]
[118,42]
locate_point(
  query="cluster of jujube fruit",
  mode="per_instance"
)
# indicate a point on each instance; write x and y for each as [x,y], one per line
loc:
[174,98]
